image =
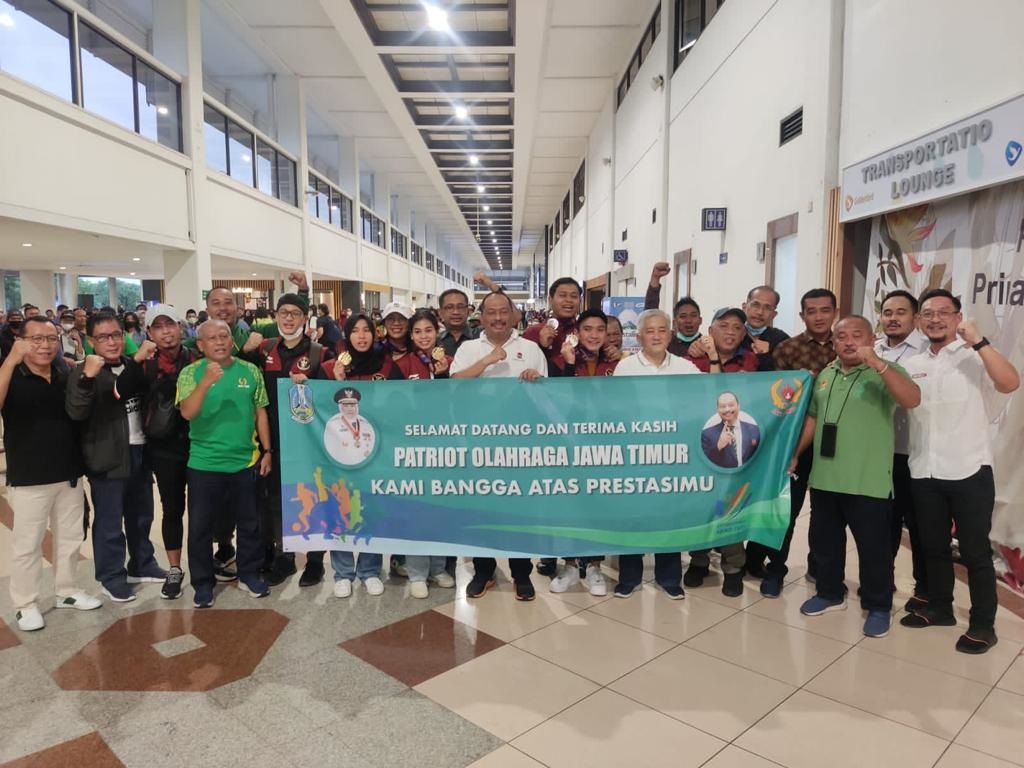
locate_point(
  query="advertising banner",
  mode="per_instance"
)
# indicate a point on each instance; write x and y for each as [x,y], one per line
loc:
[972,246]
[627,309]
[557,467]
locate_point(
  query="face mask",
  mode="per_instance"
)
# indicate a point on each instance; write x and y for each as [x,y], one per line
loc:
[755,332]
[688,339]
[15,323]
[291,336]
[68,326]
[191,320]
[129,324]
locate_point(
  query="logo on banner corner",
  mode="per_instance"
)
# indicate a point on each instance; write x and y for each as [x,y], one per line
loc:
[300,404]
[786,395]
[1013,153]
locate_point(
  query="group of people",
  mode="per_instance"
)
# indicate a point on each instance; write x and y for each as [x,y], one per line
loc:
[198,412]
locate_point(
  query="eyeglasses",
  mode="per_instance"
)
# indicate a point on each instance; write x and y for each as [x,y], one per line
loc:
[40,340]
[293,314]
[938,314]
[758,305]
[455,307]
[105,337]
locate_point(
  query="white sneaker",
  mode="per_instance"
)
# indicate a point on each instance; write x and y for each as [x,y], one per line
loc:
[568,577]
[79,601]
[343,588]
[595,581]
[30,619]
[443,580]
[417,589]
[374,586]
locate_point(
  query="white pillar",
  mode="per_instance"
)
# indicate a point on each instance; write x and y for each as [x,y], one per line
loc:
[37,288]
[112,292]
[186,276]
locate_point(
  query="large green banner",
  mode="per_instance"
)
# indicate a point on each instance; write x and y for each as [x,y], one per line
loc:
[559,467]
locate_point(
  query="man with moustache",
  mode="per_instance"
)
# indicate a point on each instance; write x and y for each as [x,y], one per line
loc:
[564,297]
[761,307]
[162,358]
[105,394]
[453,307]
[811,350]
[225,402]
[849,424]
[900,342]
[962,378]
[685,313]
[500,352]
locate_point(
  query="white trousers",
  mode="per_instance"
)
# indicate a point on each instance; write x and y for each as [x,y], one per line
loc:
[34,506]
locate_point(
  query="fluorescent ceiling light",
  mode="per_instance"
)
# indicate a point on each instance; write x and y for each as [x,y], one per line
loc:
[437,18]
[461,113]
[494,240]
[26,245]
[136,258]
[487,207]
[481,188]
[161,110]
[132,274]
[63,267]
[473,160]
[254,274]
[489,222]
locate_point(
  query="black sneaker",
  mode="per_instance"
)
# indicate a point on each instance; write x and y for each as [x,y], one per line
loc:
[915,603]
[756,570]
[732,584]
[312,574]
[976,641]
[674,591]
[695,575]
[225,574]
[525,591]
[548,566]
[771,586]
[224,556]
[477,587]
[203,598]
[625,590]
[927,618]
[283,567]
[171,589]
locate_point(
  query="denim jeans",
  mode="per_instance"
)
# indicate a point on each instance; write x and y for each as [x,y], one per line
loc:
[423,567]
[346,566]
[123,515]
[212,495]
[668,569]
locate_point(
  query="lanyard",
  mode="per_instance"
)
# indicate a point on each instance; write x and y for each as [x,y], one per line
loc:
[846,399]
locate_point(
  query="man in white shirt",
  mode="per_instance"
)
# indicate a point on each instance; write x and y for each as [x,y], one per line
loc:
[653,359]
[951,463]
[499,352]
[901,341]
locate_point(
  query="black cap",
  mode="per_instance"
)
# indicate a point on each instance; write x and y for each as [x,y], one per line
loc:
[294,300]
[734,311]
[348,393]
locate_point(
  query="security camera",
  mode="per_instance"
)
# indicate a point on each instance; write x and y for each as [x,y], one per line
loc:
[657,82]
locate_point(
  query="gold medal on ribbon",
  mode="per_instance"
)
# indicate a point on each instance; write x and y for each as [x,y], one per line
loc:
[553,323]
[346,358]
[438,354]
[572,340]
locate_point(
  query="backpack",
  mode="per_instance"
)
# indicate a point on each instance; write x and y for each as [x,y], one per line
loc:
[160,417]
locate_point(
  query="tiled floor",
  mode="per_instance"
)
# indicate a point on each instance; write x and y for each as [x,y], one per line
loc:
[570,680]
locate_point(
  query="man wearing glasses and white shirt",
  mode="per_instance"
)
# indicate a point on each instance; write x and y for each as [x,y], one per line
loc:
[900,341]
[951,463]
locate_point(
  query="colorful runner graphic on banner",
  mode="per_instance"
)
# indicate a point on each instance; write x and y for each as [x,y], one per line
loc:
[556,467]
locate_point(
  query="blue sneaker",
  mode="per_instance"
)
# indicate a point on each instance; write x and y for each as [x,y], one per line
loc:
[771,586]
[203,598]
[819,605]
[877,624]
[255,587]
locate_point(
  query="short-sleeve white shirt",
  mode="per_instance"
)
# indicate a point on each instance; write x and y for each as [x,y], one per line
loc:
[639,365]
[520,355]
[949,430]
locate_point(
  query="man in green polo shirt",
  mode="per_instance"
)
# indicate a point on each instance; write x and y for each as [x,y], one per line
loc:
[849,421]
[225,402]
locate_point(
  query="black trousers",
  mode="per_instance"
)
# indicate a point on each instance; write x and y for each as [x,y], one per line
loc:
[757,552]
[521,567]
[869,522]
[968,503]
[903,514]
[668,569]
[213,493]
[171,482]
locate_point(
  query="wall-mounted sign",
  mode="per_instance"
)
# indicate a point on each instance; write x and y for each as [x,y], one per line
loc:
[712,219]
[620,256]
[978,151]
[723,258]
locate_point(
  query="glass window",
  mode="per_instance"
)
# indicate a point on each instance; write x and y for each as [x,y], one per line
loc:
[240,165]
[323,206]
[336,201]
[214,139]
[311,198]
[266,165]
[286,187]
[159,106]
[35,44]
[346,213]
[690,22]
[107,79]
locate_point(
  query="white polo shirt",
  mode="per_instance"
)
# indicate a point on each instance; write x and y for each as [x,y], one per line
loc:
[914,344]
[639,365]
[520,355]
[949,430]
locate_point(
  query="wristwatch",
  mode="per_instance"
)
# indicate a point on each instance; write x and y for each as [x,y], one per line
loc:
[981,344]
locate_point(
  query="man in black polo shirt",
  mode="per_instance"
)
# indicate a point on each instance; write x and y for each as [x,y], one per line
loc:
[454,310]
[761,307]
[43,472]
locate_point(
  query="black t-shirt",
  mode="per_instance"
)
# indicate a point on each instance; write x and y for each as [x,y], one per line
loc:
[40,438]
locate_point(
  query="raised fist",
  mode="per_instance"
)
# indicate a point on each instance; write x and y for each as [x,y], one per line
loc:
[968,331]
[92,366]
[569,353]
[498,355]
[212,373]
[147,351]
[253,342]
[760,347]
[298,279]
[661,270]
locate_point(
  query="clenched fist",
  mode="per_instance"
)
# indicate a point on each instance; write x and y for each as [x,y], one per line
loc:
[212,373]
[147,351]
[18,351]
[497,355]
[569,353]
[968,331]
[661,270]
[298,279]
[92,366]
[547,335]
[253,342]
